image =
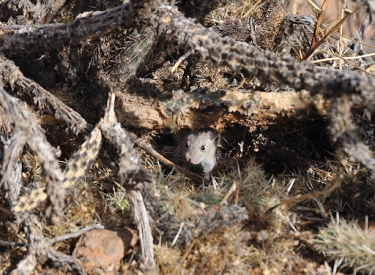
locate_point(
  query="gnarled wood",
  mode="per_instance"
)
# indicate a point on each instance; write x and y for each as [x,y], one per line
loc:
[36,39]
[219,109]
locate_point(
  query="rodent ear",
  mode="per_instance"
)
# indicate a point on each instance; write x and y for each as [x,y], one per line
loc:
[212,134]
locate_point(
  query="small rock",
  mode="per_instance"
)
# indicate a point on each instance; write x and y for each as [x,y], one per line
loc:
[104,249]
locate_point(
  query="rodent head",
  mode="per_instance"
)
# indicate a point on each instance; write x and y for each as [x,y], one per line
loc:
[201,147]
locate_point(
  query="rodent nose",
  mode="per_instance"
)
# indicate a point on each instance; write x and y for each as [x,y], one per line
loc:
[193,160]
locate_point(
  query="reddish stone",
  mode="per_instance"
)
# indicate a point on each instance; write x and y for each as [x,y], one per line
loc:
[103,249]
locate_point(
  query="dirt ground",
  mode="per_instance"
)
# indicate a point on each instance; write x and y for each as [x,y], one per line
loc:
[97,99]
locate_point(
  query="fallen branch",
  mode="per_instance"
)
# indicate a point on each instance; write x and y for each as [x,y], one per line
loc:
[36,39]
[119,147]
[219,109]
[13,77]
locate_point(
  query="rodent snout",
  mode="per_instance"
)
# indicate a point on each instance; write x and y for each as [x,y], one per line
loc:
[192,160]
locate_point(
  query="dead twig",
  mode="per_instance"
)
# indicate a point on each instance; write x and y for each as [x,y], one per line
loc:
[148,148]
[319,20]
[310,196]
[328,34]
[76,234]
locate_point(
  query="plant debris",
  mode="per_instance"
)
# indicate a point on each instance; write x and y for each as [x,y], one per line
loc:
[92,94]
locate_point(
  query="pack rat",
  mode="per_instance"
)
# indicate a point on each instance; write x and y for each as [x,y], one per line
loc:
[200,149]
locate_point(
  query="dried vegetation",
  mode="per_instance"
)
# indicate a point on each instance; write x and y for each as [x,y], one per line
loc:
[84,85]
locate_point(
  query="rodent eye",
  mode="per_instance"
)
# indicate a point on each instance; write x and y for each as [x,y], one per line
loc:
[202,148]
[186,146]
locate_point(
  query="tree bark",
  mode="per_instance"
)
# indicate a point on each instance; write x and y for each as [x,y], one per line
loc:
[218,109]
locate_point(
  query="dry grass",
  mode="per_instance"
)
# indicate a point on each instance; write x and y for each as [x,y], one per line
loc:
[274,166]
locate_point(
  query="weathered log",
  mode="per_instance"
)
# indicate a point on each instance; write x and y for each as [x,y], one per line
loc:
[219,109]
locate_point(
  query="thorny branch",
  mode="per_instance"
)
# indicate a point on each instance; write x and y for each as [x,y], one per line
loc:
[13,77]
[35,12]
[123,155]
[17,39]
[343,92]
[265,65]
[32,133]
[248,60]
